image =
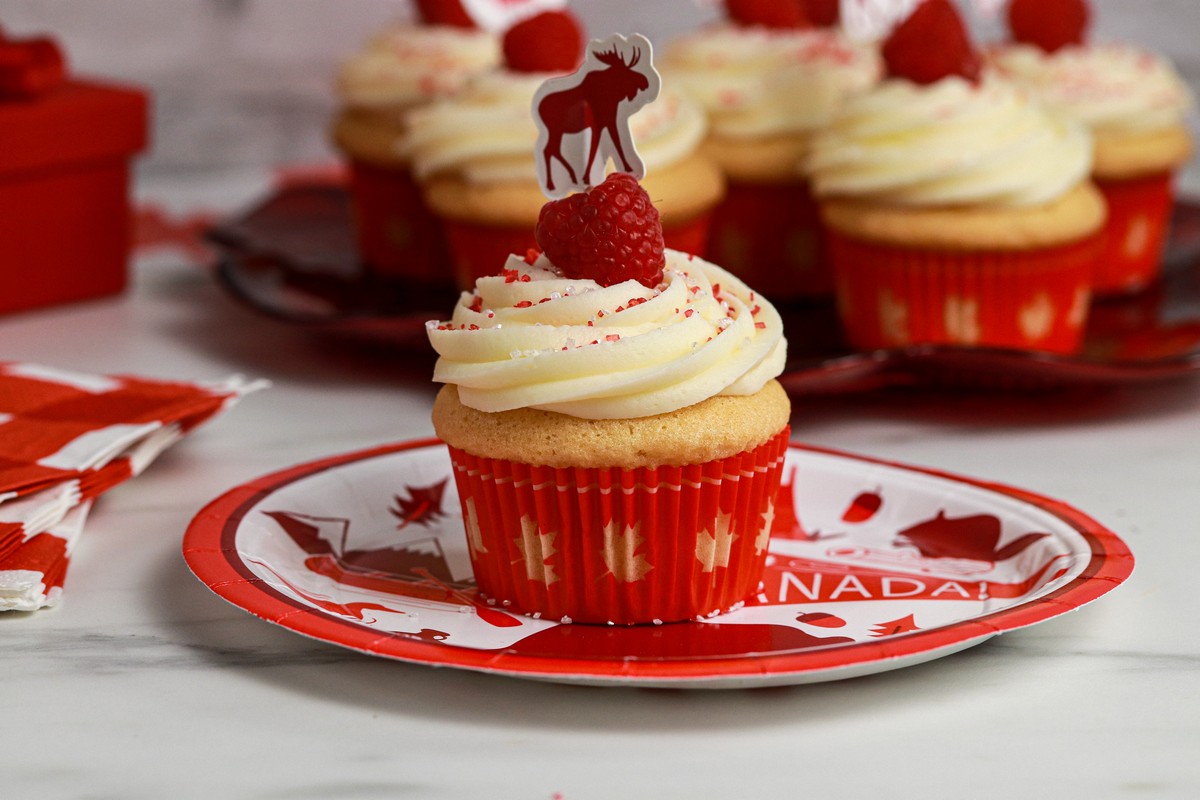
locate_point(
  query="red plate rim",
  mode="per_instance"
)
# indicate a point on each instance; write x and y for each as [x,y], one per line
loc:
[208,548]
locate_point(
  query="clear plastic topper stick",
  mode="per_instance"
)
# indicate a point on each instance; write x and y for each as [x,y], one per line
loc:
[583,118]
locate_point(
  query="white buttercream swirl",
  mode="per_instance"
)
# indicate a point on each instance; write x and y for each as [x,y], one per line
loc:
[948,143]
[409,64]
[1109,87]
[756,82]
[530,338]
[487,134]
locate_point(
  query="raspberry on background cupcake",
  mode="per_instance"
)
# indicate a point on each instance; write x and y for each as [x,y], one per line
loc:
[1134,104]
[958,211]
[473,154]
[402,68]
[768,78]
[613,419]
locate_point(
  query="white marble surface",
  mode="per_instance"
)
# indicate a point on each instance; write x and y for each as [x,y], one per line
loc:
[143,684]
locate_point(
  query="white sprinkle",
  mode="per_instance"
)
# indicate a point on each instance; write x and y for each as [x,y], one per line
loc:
[537,615]
[491,601]
[514,354]
[657,621]
[555,296]
[506,603]
[431,324]
[565,620]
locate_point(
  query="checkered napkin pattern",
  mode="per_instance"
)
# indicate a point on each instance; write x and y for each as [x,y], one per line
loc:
[65,438]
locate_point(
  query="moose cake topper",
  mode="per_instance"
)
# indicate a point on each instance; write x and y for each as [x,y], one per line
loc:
[583,118]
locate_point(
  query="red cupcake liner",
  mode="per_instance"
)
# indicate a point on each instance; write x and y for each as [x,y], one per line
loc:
[770,236]
[1031,300]
[398,236]
[1138,213]
[478,251]
[621,546]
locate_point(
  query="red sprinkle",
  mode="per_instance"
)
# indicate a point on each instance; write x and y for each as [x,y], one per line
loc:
[613,337]
[760,325]
[524,304]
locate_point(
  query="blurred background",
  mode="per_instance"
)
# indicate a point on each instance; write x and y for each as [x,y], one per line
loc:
[241,84]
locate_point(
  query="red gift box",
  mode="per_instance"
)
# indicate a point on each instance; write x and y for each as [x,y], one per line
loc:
[65,218]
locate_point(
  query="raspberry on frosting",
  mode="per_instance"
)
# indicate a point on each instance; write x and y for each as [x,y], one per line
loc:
[930,45]
[609,234]
[444,12]
[782,14]
[1048,24]
[823,13]
[548,42]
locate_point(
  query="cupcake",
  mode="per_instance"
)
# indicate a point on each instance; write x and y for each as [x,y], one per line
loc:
[611,412]
[1133,102]
[474,155]
[959,212]
[768,79]
[402,68]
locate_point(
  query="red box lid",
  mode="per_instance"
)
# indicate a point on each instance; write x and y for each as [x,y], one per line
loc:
[79,121]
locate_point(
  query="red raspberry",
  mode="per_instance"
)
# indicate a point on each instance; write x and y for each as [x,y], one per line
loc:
[444,12]
[930,45]
[768,13]
[548,42]
[1048,24]
[611,233]
[823,13]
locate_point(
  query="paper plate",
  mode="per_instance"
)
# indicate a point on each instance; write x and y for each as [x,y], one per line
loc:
[873,566]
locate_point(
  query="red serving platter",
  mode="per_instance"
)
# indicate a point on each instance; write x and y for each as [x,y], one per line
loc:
[293,258]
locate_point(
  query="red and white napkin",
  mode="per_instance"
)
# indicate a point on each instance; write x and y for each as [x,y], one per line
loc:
[67,437]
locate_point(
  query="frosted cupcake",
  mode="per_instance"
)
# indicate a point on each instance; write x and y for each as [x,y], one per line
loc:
[959,211]
[402,68]
[613,419]
[1133,102]
[474,155]
[768,79]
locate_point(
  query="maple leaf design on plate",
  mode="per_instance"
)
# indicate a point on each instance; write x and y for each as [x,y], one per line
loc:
[536,549]
[895,627]
[712,547]
[474,534]
[620,552]
[422,506]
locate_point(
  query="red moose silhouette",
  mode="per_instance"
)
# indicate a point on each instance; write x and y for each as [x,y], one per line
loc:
[592,104]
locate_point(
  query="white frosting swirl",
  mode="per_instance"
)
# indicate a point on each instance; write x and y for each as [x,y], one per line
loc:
[756,82]
[531,338]
[948,143]
[1109,87]
[487,134]
[405,65]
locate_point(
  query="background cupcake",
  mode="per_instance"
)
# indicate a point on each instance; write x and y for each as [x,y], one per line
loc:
[1134,104]
[474,155]
[616,430]
[402,68]
[768,79]
[959,212]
